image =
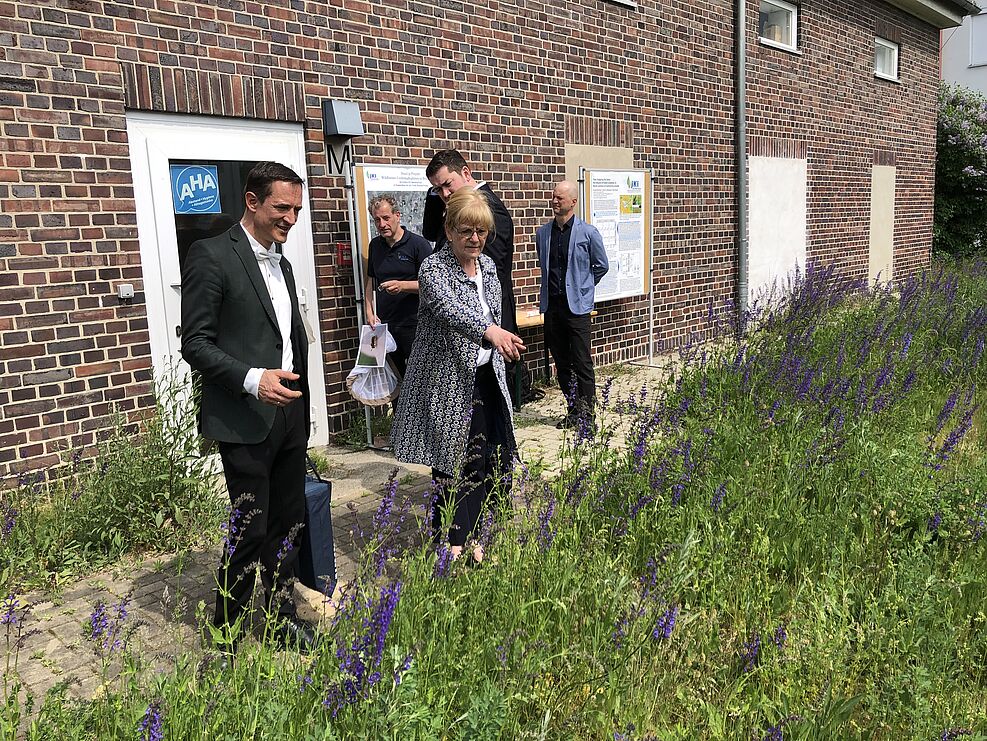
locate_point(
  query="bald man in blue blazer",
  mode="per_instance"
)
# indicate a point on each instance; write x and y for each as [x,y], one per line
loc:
[572,261]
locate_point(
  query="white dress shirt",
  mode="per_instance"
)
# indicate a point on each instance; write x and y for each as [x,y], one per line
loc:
[484,355]
[278,290]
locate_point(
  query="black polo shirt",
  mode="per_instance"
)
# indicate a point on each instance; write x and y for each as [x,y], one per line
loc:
[558,257]
[400,262]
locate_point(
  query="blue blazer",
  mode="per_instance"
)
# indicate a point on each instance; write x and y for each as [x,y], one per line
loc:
[586,266]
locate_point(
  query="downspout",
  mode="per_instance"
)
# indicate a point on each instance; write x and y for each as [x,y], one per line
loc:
[740,33]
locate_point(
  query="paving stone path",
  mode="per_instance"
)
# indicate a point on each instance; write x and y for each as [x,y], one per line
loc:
[169,595]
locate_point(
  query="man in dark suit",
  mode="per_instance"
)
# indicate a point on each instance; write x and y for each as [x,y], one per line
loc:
[243,332]
[448,172]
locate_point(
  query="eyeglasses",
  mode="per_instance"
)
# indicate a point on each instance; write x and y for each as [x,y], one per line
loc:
[468,231]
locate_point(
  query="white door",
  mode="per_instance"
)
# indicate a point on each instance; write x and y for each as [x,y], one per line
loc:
[188,184]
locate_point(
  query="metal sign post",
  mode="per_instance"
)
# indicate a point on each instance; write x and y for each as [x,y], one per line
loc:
[357,274]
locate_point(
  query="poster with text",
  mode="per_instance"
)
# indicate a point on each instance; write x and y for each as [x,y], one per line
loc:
[618,204]
[406,184]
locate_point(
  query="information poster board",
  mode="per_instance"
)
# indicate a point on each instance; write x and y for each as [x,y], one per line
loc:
[407,184]
[618,203]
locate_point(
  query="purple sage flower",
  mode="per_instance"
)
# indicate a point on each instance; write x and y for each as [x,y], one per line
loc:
[360,660]
[978,522]
[951,734]
[151,728]
[8,520]
[666,624]
[286,547]
[8,611]
[443,559]
[718,496]
[107,627]
[775,733]
[953,439]
[780,637]
[545,532]
[751,653]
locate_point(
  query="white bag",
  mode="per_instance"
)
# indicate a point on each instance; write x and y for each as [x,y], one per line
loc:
[374,386]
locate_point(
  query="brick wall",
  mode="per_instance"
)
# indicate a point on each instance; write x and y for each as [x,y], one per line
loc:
[509,83]
[827,102]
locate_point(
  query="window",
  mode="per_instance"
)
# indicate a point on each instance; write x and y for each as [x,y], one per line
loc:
[978,40]
[779,24]
[885,59]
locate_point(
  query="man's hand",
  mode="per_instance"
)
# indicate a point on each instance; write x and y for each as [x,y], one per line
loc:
[372,319]
[506,343]
[270,390]
[393,287]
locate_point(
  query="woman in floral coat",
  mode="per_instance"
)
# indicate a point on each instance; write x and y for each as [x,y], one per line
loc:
[454,412]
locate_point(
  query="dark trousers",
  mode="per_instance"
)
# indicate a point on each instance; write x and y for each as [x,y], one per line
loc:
[486,461]
[266,483]
[568,338]
[404,338]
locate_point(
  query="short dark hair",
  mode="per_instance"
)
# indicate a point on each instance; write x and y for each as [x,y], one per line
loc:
[264,174]
[450,158]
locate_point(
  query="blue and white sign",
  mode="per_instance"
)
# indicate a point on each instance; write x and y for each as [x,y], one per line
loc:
[195,189]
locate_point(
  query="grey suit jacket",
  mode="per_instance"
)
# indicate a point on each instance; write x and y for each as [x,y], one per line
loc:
[228,327]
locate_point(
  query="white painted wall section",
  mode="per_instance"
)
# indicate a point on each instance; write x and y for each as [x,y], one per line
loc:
[777,223]
[881,255]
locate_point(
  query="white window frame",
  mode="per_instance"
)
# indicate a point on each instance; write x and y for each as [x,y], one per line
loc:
[896,58]
[978,28]
[793,19]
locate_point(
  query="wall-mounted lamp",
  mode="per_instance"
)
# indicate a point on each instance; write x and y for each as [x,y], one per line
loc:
[340,122]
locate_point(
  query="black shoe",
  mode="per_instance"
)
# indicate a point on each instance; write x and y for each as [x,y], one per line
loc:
[291,634]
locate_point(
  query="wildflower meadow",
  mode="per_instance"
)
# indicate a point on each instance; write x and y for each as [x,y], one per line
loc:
[783,540]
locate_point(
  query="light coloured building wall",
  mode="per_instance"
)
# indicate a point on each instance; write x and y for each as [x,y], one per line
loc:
[964,53]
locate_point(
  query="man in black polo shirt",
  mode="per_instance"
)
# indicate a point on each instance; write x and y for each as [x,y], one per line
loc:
[392,277]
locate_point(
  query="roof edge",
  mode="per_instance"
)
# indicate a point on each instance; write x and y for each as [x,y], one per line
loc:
[940,13]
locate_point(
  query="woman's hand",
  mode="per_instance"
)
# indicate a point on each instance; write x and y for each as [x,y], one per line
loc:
[506,343]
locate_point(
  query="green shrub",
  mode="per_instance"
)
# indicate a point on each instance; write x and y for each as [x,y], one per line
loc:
[961,172]
[145,487]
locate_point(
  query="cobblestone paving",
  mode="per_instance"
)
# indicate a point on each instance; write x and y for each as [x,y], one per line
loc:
[170,595]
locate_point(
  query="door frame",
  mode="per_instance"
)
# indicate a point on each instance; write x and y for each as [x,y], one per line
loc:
[154,139]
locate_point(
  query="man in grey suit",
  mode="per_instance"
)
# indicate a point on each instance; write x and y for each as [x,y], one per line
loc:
[243,332]
[572,261]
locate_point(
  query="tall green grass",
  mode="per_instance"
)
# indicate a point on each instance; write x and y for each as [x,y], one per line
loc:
[146,486]
[785,540]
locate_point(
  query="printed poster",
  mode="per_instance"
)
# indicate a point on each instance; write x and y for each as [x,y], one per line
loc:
[406,184]
[617,207]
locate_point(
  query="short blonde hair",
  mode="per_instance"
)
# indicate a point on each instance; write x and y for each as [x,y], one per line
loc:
[468,208]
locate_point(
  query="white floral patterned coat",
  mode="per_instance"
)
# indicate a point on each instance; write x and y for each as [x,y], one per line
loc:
[431,422]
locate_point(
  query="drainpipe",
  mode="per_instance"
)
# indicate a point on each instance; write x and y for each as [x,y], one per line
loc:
[740,33]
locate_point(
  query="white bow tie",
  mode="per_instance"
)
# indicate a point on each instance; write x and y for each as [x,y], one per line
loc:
[273,257]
